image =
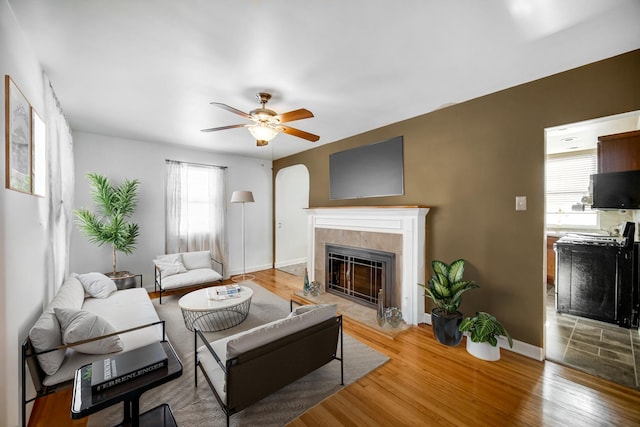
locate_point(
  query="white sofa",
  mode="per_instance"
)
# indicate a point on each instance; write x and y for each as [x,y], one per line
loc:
[248,366]
[86,307]
[186,269]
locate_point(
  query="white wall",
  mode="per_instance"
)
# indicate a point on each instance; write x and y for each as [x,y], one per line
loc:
[123,158]
[22,232]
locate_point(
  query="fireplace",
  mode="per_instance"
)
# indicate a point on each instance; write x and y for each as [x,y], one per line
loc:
[400,230]
[359,274]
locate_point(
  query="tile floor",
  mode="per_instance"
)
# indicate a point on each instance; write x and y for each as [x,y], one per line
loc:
[599,348]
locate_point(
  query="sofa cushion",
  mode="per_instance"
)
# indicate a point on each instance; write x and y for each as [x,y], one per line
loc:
[169,258]
[195,260]
[78,325]
[190,278]
[306,308]
[260,335]
[97,285]
[169,264]
[46,334]
[214,372]
[123,310]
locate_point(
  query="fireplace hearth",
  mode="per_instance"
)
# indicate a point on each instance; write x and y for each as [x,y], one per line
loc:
[359,274]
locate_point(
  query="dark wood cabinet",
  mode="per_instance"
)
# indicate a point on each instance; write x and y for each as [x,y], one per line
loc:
[619,152]
[598,282]
[551,260]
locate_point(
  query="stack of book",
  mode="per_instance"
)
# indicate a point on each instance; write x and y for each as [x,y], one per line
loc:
[224,292]
[126,366]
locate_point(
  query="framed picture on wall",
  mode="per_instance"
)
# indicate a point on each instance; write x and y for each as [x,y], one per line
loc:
[18,138]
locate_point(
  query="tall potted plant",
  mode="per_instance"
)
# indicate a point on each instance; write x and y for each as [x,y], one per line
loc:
[109,224]
[445,289]
[484,330]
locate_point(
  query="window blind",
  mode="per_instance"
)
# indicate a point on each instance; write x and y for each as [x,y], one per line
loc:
[567,182]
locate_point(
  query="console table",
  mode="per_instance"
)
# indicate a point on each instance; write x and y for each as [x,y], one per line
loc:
[85,402]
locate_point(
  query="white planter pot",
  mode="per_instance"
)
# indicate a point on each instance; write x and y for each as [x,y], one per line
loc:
[483,350]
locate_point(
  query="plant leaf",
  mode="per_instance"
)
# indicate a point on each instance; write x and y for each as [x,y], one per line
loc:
[456,270]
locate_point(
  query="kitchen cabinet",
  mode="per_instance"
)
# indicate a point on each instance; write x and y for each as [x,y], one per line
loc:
[551,260]
[619,152]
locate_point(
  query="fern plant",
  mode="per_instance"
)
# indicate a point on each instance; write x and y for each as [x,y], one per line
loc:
[446,286]
[484,327]
[109,224]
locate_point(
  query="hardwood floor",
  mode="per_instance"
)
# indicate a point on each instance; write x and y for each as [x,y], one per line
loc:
[426,383]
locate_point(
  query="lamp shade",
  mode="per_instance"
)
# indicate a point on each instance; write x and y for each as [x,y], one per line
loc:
[242,197]
[262,132]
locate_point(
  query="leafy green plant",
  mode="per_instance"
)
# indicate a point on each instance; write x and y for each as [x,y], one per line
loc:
[109,225]
[484,327]
[446,286]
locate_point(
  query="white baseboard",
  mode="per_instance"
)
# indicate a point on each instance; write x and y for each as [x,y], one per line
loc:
[290,262]
[519,347]
[250,269]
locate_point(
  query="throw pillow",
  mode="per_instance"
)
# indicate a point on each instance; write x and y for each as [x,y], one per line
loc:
[97,285]
[45,335]
[170,265]
[78,325]
[170,258]
[198,259]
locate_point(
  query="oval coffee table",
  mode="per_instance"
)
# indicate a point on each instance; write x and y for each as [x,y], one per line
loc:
[210,315]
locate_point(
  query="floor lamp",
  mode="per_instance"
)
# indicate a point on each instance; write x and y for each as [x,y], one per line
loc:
[242,197]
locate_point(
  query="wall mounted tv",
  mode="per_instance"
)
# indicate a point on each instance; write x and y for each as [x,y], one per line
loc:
[616,190]
[372,170]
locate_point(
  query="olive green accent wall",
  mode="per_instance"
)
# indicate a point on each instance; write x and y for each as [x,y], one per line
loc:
[469,161]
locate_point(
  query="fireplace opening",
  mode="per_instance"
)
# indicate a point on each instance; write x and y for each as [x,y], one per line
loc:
[359,274]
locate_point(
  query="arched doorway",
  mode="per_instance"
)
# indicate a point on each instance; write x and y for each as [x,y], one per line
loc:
[291,198]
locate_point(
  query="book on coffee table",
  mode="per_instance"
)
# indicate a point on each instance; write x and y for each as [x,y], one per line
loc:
[123,367]
[219,293]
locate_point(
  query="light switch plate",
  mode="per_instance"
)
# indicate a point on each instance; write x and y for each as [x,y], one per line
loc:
[521,203]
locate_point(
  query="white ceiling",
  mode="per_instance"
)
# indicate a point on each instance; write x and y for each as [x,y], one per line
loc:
[147,70]
[584,135]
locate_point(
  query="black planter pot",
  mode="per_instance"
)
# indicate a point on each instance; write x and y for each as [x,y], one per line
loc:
[445,327]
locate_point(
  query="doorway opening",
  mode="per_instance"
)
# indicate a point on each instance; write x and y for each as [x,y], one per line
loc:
[600,348]
[291,200]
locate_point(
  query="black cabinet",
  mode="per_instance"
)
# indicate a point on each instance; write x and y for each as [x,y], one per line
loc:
[598,281]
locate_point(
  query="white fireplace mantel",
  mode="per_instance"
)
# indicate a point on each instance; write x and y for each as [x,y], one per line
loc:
[408,221]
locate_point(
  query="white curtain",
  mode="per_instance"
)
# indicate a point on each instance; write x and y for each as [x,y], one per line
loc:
[60,187]
[196,211]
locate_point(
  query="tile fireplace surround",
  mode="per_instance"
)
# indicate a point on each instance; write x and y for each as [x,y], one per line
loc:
[396,229]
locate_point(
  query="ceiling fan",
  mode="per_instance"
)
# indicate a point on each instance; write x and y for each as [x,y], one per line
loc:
[267,123]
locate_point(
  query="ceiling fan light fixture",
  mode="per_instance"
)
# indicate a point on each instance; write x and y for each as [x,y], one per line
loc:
[262,133]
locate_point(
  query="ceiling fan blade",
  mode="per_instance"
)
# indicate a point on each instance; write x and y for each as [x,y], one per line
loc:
[226,127]
[233,110]
[299,133]
[302,113]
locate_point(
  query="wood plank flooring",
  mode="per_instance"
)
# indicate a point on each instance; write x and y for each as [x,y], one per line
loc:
[426,383]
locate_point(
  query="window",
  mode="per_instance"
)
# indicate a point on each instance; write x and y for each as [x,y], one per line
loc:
[567,182]
[195,208]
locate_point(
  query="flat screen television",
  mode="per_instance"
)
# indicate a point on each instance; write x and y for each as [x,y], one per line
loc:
[616,190]
[372,170]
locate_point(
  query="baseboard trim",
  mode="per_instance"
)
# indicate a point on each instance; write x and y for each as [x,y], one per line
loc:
[289,262]
[251,269]
[519,347]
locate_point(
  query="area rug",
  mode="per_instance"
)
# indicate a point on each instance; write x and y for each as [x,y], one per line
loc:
[196,406]
[358,312]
